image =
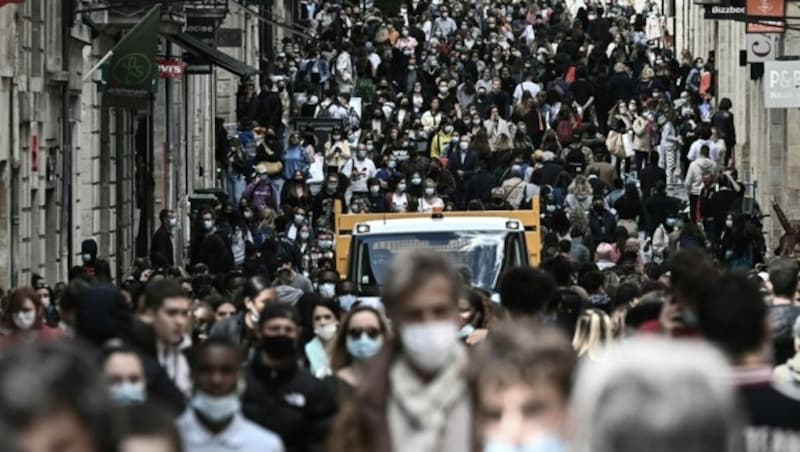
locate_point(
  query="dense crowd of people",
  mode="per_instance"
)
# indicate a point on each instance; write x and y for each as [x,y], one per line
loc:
[655,320]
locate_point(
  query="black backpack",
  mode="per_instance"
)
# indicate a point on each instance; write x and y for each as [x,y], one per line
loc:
[576,161]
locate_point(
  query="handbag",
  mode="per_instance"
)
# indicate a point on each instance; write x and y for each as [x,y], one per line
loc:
[273,168]
[614,144]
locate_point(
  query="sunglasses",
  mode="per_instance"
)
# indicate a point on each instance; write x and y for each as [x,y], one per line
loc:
[356,333]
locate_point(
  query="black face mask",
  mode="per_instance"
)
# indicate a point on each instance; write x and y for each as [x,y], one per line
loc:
[278,347]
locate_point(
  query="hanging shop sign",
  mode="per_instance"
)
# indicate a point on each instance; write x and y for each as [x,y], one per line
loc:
[174,69]
[735,10]
[133,69]
[761,47]
[781,84]
[202,28]
[770,10]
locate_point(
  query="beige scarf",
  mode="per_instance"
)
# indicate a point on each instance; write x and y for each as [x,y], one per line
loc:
[433,416]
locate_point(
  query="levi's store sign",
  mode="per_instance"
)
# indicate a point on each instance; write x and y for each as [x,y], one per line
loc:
[171,68]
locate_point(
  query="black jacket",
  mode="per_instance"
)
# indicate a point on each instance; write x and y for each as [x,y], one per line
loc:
[290,402]
[215,253]
[161,252]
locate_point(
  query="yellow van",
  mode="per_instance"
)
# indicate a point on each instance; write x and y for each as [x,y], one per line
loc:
[485,242]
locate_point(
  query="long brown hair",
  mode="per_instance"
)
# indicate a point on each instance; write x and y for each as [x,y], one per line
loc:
[15,302]
[339,356]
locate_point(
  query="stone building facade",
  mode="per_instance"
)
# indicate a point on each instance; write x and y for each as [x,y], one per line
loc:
[768,150]
[50,116]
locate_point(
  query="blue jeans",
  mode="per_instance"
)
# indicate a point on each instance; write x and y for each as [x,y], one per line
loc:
[235,184]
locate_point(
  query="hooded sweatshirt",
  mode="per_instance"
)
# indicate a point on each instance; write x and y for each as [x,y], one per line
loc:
[694,176]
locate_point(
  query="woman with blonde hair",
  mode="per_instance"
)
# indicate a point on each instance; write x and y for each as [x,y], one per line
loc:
[593,332]
[579,194]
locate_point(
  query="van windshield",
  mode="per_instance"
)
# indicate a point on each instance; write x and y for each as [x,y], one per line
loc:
[481,252]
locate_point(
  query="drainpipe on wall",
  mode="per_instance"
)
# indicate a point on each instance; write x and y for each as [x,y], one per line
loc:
[66,137]
[14,194]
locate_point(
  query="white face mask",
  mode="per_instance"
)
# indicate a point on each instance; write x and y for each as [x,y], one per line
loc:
[429,345]
[24,320]
[216,409]
[208,224]
[430,191]
[127,393]
[728,224]
[327,290]
[173,222]
[327,332]
[304,235]
[87,257]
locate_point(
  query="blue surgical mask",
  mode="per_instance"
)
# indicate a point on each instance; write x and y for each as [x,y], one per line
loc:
[127,393]
[327,290]
[87,257]
[545,444]
[364,347]
[216,409]
[208,224]
[672,222]
[347,301]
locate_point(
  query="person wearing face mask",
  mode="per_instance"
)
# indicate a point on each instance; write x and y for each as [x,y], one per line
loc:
[358,170]
[208,245]
[444,25]
[24,320]
[299,218]
[294,158]
[406,41]
[319,252]
[415,186]
[241,328]
[429,200]
[214,420]
[260,192]
[602,222]
[428,408]
[441,139]
[364,331]
[432,118]
[323,205]
[399,200]
[326,286]
[161,251]
[325,322]
[388,171]
[462,165]
[94,267]
[376,198]
[346,295]
[499,376]
[296,193]
[337,149]
[475,316]
[282,396]
[123,369]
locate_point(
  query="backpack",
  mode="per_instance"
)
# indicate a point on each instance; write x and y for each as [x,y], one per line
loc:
[576,161]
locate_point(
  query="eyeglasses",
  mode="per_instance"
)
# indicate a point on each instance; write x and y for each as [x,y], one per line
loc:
[356,333]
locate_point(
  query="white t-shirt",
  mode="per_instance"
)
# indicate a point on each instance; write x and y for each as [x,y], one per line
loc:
[399,202]
[364,169]
[427,207]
